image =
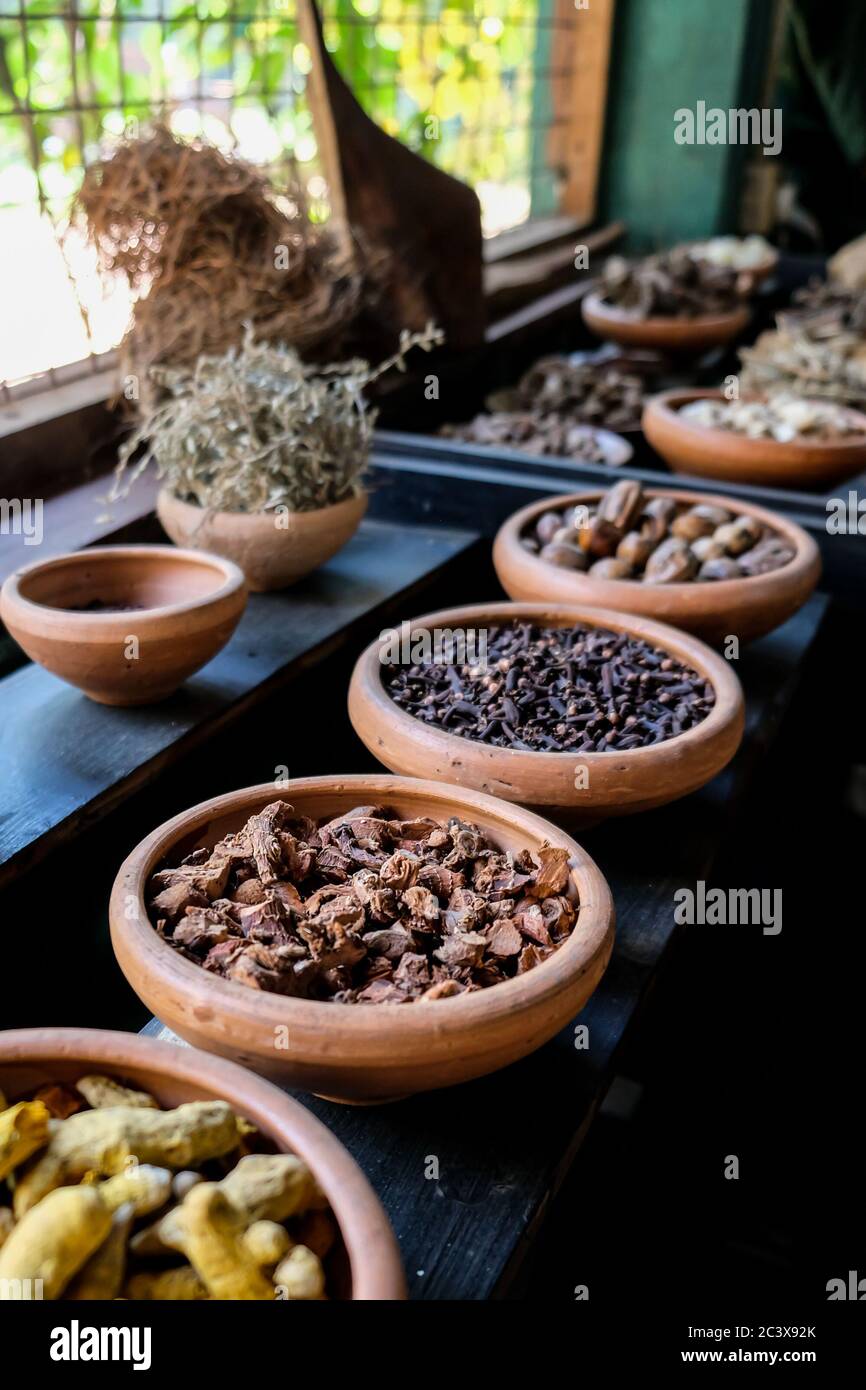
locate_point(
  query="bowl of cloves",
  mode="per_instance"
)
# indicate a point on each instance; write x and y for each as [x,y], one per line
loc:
[672,302]
[782,440]
[362,937]
[573,710]
[127,624]
[714,566]
[133,1168]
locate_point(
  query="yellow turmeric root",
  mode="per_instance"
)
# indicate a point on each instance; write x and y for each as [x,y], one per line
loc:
[300,1276]
[260,1187]
[101,1092]
[176,1285]
[213,1243]
[143,1185]
[102,1276]
[23,1130]
[266,1243]
[103,1142]
[54,1240]
[7,1221]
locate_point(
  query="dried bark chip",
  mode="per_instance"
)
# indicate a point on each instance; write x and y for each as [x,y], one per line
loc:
[381,992]
[423,907]
[389,941]
[413,972]
[443,989]
[399,871]
[463,948]
[403,926]
[552,877]
[173,901]
[262,831]
[504,939]
[532,924]
[252,890]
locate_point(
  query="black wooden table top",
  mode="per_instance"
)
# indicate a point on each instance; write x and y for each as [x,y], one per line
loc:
[504,1143]
[67,760]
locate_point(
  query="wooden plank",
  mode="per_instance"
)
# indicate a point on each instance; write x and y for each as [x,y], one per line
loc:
[66,760]
[579,100]
[504,1143]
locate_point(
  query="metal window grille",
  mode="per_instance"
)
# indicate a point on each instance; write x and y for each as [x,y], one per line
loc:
[472,86]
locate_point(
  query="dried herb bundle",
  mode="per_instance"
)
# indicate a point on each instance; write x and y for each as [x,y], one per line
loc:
[256,428]
[195,233]
[366,908]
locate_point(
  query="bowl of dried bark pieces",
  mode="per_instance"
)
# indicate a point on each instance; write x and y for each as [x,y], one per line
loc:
[672,303]
[580,711]
[781,441]
[138,1169]
[713,566]
[362,937]
[127,624]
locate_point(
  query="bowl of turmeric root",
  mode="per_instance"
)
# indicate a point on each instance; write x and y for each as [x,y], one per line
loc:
[139,1170]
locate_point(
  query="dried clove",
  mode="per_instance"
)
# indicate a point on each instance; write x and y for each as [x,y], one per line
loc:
[558,690]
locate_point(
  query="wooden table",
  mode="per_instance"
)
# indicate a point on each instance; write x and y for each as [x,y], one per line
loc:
[503,1144]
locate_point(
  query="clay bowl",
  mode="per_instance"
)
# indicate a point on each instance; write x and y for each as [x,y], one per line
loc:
[712,453]
[618,783]
[666,335]
[747,607]
[273,551]
[354,1052]
[180,606]
[370,1259]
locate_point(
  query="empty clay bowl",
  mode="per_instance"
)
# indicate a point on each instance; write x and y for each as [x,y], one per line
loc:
[618,783]
[370,1259]
[127,624]
[273,550]
[666,335]
[359,1052]
[746,608]
[712,453]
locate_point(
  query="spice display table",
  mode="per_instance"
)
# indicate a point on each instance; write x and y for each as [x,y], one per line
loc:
[68,762]
[466,1175]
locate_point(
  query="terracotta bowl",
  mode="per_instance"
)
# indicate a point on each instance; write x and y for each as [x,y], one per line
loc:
[711,453]
[747,607]
[354,1052]
[179,605]
[32,1057]
[667,335]
[618,783]
[271,556]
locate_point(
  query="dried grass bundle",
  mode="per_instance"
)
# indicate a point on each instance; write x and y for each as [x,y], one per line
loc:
[256,428]
[196,233]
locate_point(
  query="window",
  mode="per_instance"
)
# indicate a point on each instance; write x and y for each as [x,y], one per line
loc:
[476,87]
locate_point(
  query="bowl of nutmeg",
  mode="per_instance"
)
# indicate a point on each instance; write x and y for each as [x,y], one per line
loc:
[714,566]
[363,937]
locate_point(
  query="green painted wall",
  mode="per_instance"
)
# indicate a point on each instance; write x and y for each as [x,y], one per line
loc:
[668,54]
